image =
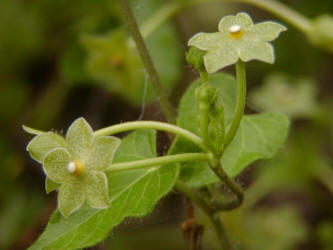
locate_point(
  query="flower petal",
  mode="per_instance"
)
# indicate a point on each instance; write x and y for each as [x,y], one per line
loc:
[42,144]
[55,165]
[220,58]
[50,185]
[70,198]
[79,138]
[96,189]
[206,41]
[101,153]
[261,51]
[242,19]
[267,31]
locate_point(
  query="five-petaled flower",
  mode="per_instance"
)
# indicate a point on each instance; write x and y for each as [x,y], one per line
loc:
[74,165]
[238,38]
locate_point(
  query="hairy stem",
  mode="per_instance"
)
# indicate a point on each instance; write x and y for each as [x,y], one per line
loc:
[165,105]
[157,161]
[234,187]
[207,209]
[127,126]
[240,105]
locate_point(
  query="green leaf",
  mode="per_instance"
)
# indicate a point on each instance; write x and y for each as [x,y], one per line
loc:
[259,137]
[132,193]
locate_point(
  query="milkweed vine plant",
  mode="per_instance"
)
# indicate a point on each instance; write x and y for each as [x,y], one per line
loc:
[101,179]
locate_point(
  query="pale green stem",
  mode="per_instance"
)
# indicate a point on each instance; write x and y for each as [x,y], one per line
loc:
[274,7]
[240,105]
[158,161]
[159,17]
[127,126]
[282,11]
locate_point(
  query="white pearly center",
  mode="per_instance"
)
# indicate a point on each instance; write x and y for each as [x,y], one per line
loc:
[235,28]
[71,167]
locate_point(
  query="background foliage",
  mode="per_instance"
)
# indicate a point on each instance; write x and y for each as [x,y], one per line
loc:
[51,73]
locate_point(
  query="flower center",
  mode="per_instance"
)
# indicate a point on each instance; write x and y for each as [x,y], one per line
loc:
[235,31]
[75,167]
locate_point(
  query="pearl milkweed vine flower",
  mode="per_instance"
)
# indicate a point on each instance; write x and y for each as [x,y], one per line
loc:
[75,165]
[237,38]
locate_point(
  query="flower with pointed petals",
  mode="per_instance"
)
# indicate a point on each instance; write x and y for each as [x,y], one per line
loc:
[74,165]
[237,38]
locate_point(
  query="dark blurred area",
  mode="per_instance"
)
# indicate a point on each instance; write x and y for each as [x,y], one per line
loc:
[60,60]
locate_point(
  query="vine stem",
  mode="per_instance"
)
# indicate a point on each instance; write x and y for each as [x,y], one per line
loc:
[240,105]
[209,211]
[274,7]
[234,187]
[162,160]
[127,126]
[165,105]
[282,11]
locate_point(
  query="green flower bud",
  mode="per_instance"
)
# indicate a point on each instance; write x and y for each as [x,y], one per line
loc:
[194,57]
[206,94]
[321,34]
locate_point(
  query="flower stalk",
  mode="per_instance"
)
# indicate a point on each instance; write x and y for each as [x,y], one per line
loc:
[157,161]
[127,126]
[240,104]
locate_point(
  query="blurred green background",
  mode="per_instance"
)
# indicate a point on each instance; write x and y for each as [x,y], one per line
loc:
[63,59]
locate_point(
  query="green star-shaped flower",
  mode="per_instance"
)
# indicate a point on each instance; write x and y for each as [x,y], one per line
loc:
[74,165]
[238,38]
